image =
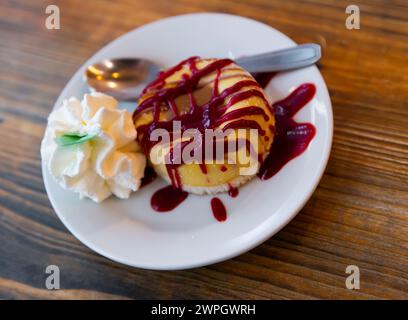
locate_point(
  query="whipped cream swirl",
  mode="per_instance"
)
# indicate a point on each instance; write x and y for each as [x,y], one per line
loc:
[104,159]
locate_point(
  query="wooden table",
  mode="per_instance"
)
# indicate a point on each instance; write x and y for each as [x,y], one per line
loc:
[357,216]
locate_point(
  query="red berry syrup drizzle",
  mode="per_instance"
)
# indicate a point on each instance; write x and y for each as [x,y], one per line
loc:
[291,139]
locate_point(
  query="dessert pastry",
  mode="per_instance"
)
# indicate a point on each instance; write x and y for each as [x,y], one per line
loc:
[89,147]
[204,95]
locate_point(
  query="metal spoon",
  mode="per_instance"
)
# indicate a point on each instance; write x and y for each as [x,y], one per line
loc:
[125,78]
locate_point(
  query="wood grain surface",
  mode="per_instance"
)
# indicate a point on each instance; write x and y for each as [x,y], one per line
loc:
[357,216]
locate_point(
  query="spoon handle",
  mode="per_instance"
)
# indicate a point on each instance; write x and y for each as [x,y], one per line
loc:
[287,59]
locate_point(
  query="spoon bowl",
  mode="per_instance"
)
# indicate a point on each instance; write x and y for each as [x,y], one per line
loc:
[122,78]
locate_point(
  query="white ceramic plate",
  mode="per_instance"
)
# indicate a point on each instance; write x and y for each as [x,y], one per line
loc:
[129,231]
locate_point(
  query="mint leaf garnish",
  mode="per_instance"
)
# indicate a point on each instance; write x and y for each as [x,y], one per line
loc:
[70,139]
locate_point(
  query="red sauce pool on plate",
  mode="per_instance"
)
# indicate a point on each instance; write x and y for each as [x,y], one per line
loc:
[233,192]
[218,209]
[167,198]
[291,138]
